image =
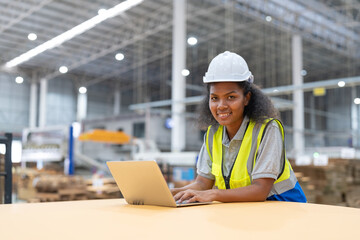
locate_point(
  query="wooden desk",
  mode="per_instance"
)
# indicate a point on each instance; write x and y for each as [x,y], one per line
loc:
[114,219]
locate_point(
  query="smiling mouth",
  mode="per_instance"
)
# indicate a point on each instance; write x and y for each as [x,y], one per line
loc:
[224,115]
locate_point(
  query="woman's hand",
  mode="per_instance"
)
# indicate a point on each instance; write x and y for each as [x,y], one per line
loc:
[190,195]
[200,183]
[257,191]
[174,191]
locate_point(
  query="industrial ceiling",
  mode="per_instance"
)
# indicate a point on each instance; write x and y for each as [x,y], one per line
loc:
[260,31]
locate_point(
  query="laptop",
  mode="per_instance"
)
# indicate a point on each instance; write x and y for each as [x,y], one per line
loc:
[142,183]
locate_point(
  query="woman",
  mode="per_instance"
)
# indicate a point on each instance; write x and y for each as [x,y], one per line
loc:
[243,154]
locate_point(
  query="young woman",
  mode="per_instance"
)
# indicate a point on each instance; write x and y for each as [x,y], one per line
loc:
[243,156]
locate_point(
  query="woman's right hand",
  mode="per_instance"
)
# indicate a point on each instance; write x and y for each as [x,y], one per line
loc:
[174,191]
[200,183]
[191,195]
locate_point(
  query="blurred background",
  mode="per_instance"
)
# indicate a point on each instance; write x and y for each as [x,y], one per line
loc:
[89,81]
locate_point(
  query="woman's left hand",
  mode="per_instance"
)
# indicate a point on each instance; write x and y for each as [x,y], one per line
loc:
[190,195]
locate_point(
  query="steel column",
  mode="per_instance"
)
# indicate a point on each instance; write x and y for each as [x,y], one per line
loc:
[81,106]
[178,81]
[43,93]
[354,118]
[298,97]
[117,99]
[33,104]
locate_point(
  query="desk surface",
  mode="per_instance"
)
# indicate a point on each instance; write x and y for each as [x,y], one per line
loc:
[114,219]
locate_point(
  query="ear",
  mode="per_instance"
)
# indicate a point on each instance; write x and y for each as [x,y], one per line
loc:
[247,98]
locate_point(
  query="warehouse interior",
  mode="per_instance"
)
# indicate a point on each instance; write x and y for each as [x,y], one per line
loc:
[85,82]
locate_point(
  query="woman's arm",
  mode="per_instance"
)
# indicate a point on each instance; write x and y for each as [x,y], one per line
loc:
[200,183]
[256,192]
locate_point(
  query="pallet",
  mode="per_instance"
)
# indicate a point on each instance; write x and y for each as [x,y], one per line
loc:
[61,195]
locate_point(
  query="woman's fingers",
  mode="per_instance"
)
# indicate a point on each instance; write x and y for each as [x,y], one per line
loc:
[188,194]
[199,196]
[179,195]
[184,195]
[193,196]
[193,199]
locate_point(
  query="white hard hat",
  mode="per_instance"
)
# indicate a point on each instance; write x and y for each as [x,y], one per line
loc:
[228,67]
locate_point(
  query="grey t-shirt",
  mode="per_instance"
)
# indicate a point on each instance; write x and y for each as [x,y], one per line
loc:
[268,162]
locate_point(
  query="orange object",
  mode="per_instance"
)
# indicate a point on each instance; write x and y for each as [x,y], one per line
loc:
[105,136]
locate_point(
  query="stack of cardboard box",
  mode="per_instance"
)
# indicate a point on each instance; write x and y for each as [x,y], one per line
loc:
[102,188]
[307,186]
[59,188]
[24,180]
[336,184]
[34,185]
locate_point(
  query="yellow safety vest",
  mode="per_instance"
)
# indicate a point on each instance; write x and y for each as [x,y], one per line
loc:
[239,175]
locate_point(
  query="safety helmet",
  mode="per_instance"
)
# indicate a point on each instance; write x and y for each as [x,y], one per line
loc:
[228,67]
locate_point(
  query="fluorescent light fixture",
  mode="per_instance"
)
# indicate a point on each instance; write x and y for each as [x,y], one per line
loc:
[101,11]
[341,84]
[192,41]
[82,90]
[119,56]
[63,69]
[185,72]
[19,80]
[357,100]
[79,29]
[32,36]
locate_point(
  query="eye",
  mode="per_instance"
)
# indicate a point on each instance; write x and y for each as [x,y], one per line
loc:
[213,98]
[231,97]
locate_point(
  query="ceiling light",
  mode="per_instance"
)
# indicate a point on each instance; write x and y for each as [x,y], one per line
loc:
[192,41]
[303,72]
[357,100]
[32,36]
[19,80]
[268,18]
[82,90]
[341,83]
[101,11]
[63,69]
[119,56]
[79,29]
[185,72]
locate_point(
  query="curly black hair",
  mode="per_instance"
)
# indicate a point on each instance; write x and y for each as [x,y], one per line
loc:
[259,108]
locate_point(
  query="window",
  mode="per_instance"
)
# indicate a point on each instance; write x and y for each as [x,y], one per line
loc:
[139,130]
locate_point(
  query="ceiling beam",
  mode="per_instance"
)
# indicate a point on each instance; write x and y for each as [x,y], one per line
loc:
[310,23]
[23,15]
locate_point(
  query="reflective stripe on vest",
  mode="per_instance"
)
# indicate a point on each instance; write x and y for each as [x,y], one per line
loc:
[240,175]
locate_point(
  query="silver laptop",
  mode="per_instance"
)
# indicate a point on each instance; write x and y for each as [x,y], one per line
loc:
[142,183]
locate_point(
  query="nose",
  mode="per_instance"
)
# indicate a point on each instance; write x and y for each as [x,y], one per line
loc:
[222,105]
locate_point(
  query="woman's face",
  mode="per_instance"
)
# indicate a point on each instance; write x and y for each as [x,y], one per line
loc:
[227,103]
